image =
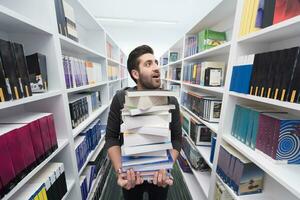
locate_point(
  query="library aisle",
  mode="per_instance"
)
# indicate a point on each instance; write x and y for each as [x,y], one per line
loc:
[235,74]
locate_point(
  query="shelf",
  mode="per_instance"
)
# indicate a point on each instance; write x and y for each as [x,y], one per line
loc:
[212,126]
[85,87]
[192,184]
[164,66]
[203,179]
[92,153]
[174,81]
[112,61]
[176,62]
[61,144]
[287,175]
[89,120]
[123,78]
[113,81]
[12,22]
[33,98]
[218,50]
[77,49]
[70,185]
[123,65]
[205,152]
[243,197]
[219,90]
[283,104]
[278,32]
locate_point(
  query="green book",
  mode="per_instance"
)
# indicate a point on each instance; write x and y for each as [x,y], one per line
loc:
[209,38]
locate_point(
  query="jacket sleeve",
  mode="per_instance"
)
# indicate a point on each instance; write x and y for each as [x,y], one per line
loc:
[112,136]
[175,126]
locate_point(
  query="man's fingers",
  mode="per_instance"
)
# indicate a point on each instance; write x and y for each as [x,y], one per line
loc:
[169,181]
[155,178]
[159,179]
[138,179]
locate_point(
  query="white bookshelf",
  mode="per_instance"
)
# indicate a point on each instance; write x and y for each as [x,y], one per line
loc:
[37,31]
[281,181]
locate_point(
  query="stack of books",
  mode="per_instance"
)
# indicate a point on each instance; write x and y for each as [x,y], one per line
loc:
[147,138]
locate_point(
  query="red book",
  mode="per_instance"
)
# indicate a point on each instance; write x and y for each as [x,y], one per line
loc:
[43,122]
[7,173]
[286,9]
[13,139]
[52,131]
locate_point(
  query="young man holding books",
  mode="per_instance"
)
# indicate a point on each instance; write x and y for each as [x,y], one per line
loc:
[143,69]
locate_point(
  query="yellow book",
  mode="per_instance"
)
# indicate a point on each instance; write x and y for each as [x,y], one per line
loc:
[249,16]
[44,194]
[243,17]
[194,72]
[247,4]
[254,15]
[40,195]
[36,197]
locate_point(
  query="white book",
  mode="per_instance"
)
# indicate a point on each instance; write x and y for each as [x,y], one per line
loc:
[150,110]
[149,93]
[144,102]
[159,131]
[131,161]
[158,120]
[134,139]
[150,154]
[127,151]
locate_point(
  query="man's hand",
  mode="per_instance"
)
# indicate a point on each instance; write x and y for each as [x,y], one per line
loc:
[129,179]
[161,179]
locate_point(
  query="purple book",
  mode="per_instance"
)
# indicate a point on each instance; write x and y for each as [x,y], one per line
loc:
[66,72]
[69,66]
[260,14]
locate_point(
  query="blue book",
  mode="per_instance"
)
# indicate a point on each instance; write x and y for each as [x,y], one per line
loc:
[245,72]
[234,75]
[212,150]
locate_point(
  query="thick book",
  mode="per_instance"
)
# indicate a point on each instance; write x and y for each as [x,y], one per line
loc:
[150,110]
[200,134]
[10,69]
[213,77]
[285,10]
[141,160]
[144,102]
[269,8]
[22,69]
[205,65]
[37,68]
[149,93]
[71,28]
[159,120]
[135,139]
[209,38]
[293,94]
[151,154]
[127,151]
[5,92]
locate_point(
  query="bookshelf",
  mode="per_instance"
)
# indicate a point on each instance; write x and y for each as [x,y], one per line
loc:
[280,180]
[38,32]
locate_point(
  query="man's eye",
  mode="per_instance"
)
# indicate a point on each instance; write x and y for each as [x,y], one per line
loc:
[148,64]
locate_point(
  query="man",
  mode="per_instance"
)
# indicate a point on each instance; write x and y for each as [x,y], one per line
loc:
[143,69]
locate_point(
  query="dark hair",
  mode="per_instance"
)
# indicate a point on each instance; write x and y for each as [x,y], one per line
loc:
[133,62]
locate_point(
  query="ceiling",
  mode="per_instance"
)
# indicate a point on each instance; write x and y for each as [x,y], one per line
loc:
[158,23]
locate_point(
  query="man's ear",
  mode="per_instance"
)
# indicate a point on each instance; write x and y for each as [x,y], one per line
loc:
[135,74]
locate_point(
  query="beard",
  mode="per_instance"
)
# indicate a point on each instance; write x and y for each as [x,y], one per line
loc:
[147,82]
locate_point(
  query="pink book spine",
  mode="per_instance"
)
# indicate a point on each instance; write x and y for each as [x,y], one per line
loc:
[26,145]
[36,138]
[52,130]
[43,122]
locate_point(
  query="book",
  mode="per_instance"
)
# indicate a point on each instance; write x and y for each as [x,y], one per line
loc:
[70,21]
[209,38]
[213,77]
[151,154]
[60,17]
[199,133]
[5,92]
[37,69]
[127,151]
[159,120]
[260,14]
[215,65]
[285,10]
[10,69]
[151,130]
[135,139]
[133,112]
[141,160]
[269,8]
[173,56]
[22,69]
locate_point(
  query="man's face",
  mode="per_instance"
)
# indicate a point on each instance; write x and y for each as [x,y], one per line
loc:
[148,73]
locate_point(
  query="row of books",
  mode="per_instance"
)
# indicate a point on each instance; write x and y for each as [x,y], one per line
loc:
[221,192]
[239,173]
[175,88]
[204,73]
[113,72]
[164,61]
[122,58]
[123,72]
[183,163]
[80,72]
[173,56]
[20,76]
[200,134]
[49,184]
[202,41]
[87,141]
[82,105]
[25,141]
[174,73]
[269,131]
[94,171]
[66,20]
[270,79]
[146,147]
[204,106]
[193,155]
[259,14]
